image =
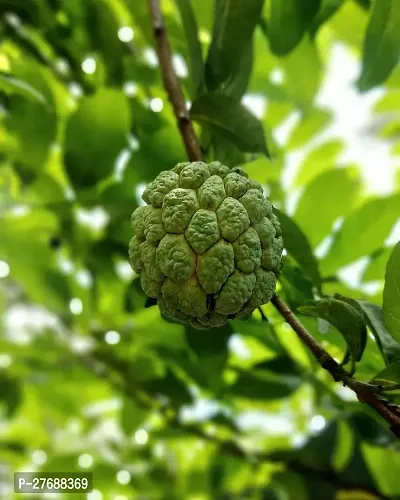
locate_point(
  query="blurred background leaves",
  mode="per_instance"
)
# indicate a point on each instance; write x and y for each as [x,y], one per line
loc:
[91,376]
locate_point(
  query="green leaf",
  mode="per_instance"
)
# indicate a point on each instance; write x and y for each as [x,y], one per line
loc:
[374,318]
[211,348]
[381,44]
[391,129]
[10,394]
[44,190]
[376,268]
[158,151]
[296,286]
[225,152]
[223,115]
[362,232]
[95,135]
[13,85]
[260,330]
[102,27]
[309,126]
[390,375]
[35,271]
[369,429]
[170,386]
[277,112]
[273,379]
[344,446]
[150,302]
[318,456]
[349,24]
[372,360]
[298,246]
[140,14]
[263,170]
[323,157]
[132,415]
[181,359]
[317,223]
[391,294]
[384,464]
[365,4]
[288,21]
[220,419]
[327,9]
[234,24]
[25,114]
[238,84]
[303,73]
[344,318]
[145,366]
[196,65]
[388,103]
[280,365]
[317,452]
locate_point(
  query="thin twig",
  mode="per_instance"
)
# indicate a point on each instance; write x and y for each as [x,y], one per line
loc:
[366,393]
[171,83]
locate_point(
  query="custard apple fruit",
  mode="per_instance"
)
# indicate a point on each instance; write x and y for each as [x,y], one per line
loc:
[207,245]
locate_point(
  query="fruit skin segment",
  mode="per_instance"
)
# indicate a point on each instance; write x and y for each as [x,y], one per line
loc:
[207,245]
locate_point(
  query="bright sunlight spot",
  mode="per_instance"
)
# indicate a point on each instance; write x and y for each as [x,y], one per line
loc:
[140,187]
[179,66]
[156,104]
[317,423]
[84,278]
[5,360]
[141,436]
[39,457]
[85,461]
[112,337]
[255,103]
[126,34]
[276,76]
[124,270]
[76,306]
[95,495]
[89,65]
[4,269]
[150,57]
[123,477]
[204,36]
[130,89]
[96,218]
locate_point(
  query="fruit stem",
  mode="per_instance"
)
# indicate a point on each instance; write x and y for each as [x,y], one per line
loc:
[171,83]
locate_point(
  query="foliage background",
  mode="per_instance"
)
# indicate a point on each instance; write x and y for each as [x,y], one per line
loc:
[91,377]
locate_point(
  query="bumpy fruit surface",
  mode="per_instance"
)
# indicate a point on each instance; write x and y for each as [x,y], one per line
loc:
[207,245]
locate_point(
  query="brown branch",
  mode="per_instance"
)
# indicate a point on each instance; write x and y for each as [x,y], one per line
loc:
[366,393]
[171,83]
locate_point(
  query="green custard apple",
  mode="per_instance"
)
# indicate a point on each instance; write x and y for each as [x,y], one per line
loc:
[207,245]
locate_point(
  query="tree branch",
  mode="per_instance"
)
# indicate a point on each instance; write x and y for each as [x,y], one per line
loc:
[171,83]
[366,393]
